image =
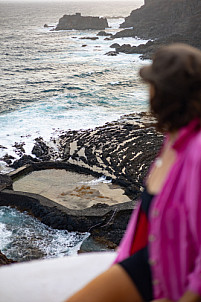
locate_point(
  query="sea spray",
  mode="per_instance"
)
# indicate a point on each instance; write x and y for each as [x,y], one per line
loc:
[22,237]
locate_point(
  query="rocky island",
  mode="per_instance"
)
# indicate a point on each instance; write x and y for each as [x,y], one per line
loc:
[166,21]
[79,22]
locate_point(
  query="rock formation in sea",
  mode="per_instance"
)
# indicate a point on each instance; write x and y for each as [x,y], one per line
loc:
[79,22]
[167,21]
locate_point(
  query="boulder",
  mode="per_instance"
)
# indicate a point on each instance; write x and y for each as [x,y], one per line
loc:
[111,53]
[79,22]
[114,45]
[103,33]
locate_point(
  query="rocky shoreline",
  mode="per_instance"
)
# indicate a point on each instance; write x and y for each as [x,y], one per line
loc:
[159,22]
[162,22]
[122,151]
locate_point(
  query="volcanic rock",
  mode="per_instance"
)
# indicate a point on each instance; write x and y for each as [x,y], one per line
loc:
[167,21]
[114,45]
[158,18]
[103,33]
[146,50]
[5,182]
[4,260]
[69,22]
[89,38]
[111,53]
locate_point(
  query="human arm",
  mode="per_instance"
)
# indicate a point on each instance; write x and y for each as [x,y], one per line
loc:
[114,285]
[193,201]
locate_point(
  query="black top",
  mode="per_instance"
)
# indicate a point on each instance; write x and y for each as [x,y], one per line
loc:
[137,265]
[146,199]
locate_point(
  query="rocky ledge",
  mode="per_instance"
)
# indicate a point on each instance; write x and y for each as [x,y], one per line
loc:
[79,22]
[122,151]
[147,50]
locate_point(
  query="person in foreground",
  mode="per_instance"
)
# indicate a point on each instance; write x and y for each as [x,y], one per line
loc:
[159,257]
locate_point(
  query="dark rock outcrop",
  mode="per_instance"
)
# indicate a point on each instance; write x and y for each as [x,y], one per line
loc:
[146,50]
[48,26]
[5,182]
[167,21]
[69,22]
[111,53]
[103,33]
[89,38]
[159,18]
[101,221]
[122,150]
[4,260]
[24,160]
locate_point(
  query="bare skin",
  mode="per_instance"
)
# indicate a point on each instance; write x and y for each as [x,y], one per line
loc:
[114,285]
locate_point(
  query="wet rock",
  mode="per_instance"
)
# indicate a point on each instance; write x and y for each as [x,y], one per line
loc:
[24,160]
[108,39]
[40,149]
[5,182]
[89,38]
[4,260]
[96,245]
[48,26]
[114,45]
[103,33]
[2,147]
[126,48]
[111,53]
[147,50]
[7,159]
[19,148]
[108,223]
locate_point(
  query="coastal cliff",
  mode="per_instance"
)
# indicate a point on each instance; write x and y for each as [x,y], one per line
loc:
[159,18]
[79,22]
[166,21]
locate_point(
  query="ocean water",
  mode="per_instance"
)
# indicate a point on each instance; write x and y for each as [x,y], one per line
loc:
[24,238]
[52,81]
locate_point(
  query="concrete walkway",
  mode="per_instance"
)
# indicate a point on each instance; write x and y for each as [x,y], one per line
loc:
[52,280]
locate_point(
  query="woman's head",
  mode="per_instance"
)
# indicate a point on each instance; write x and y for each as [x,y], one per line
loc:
[175,76]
